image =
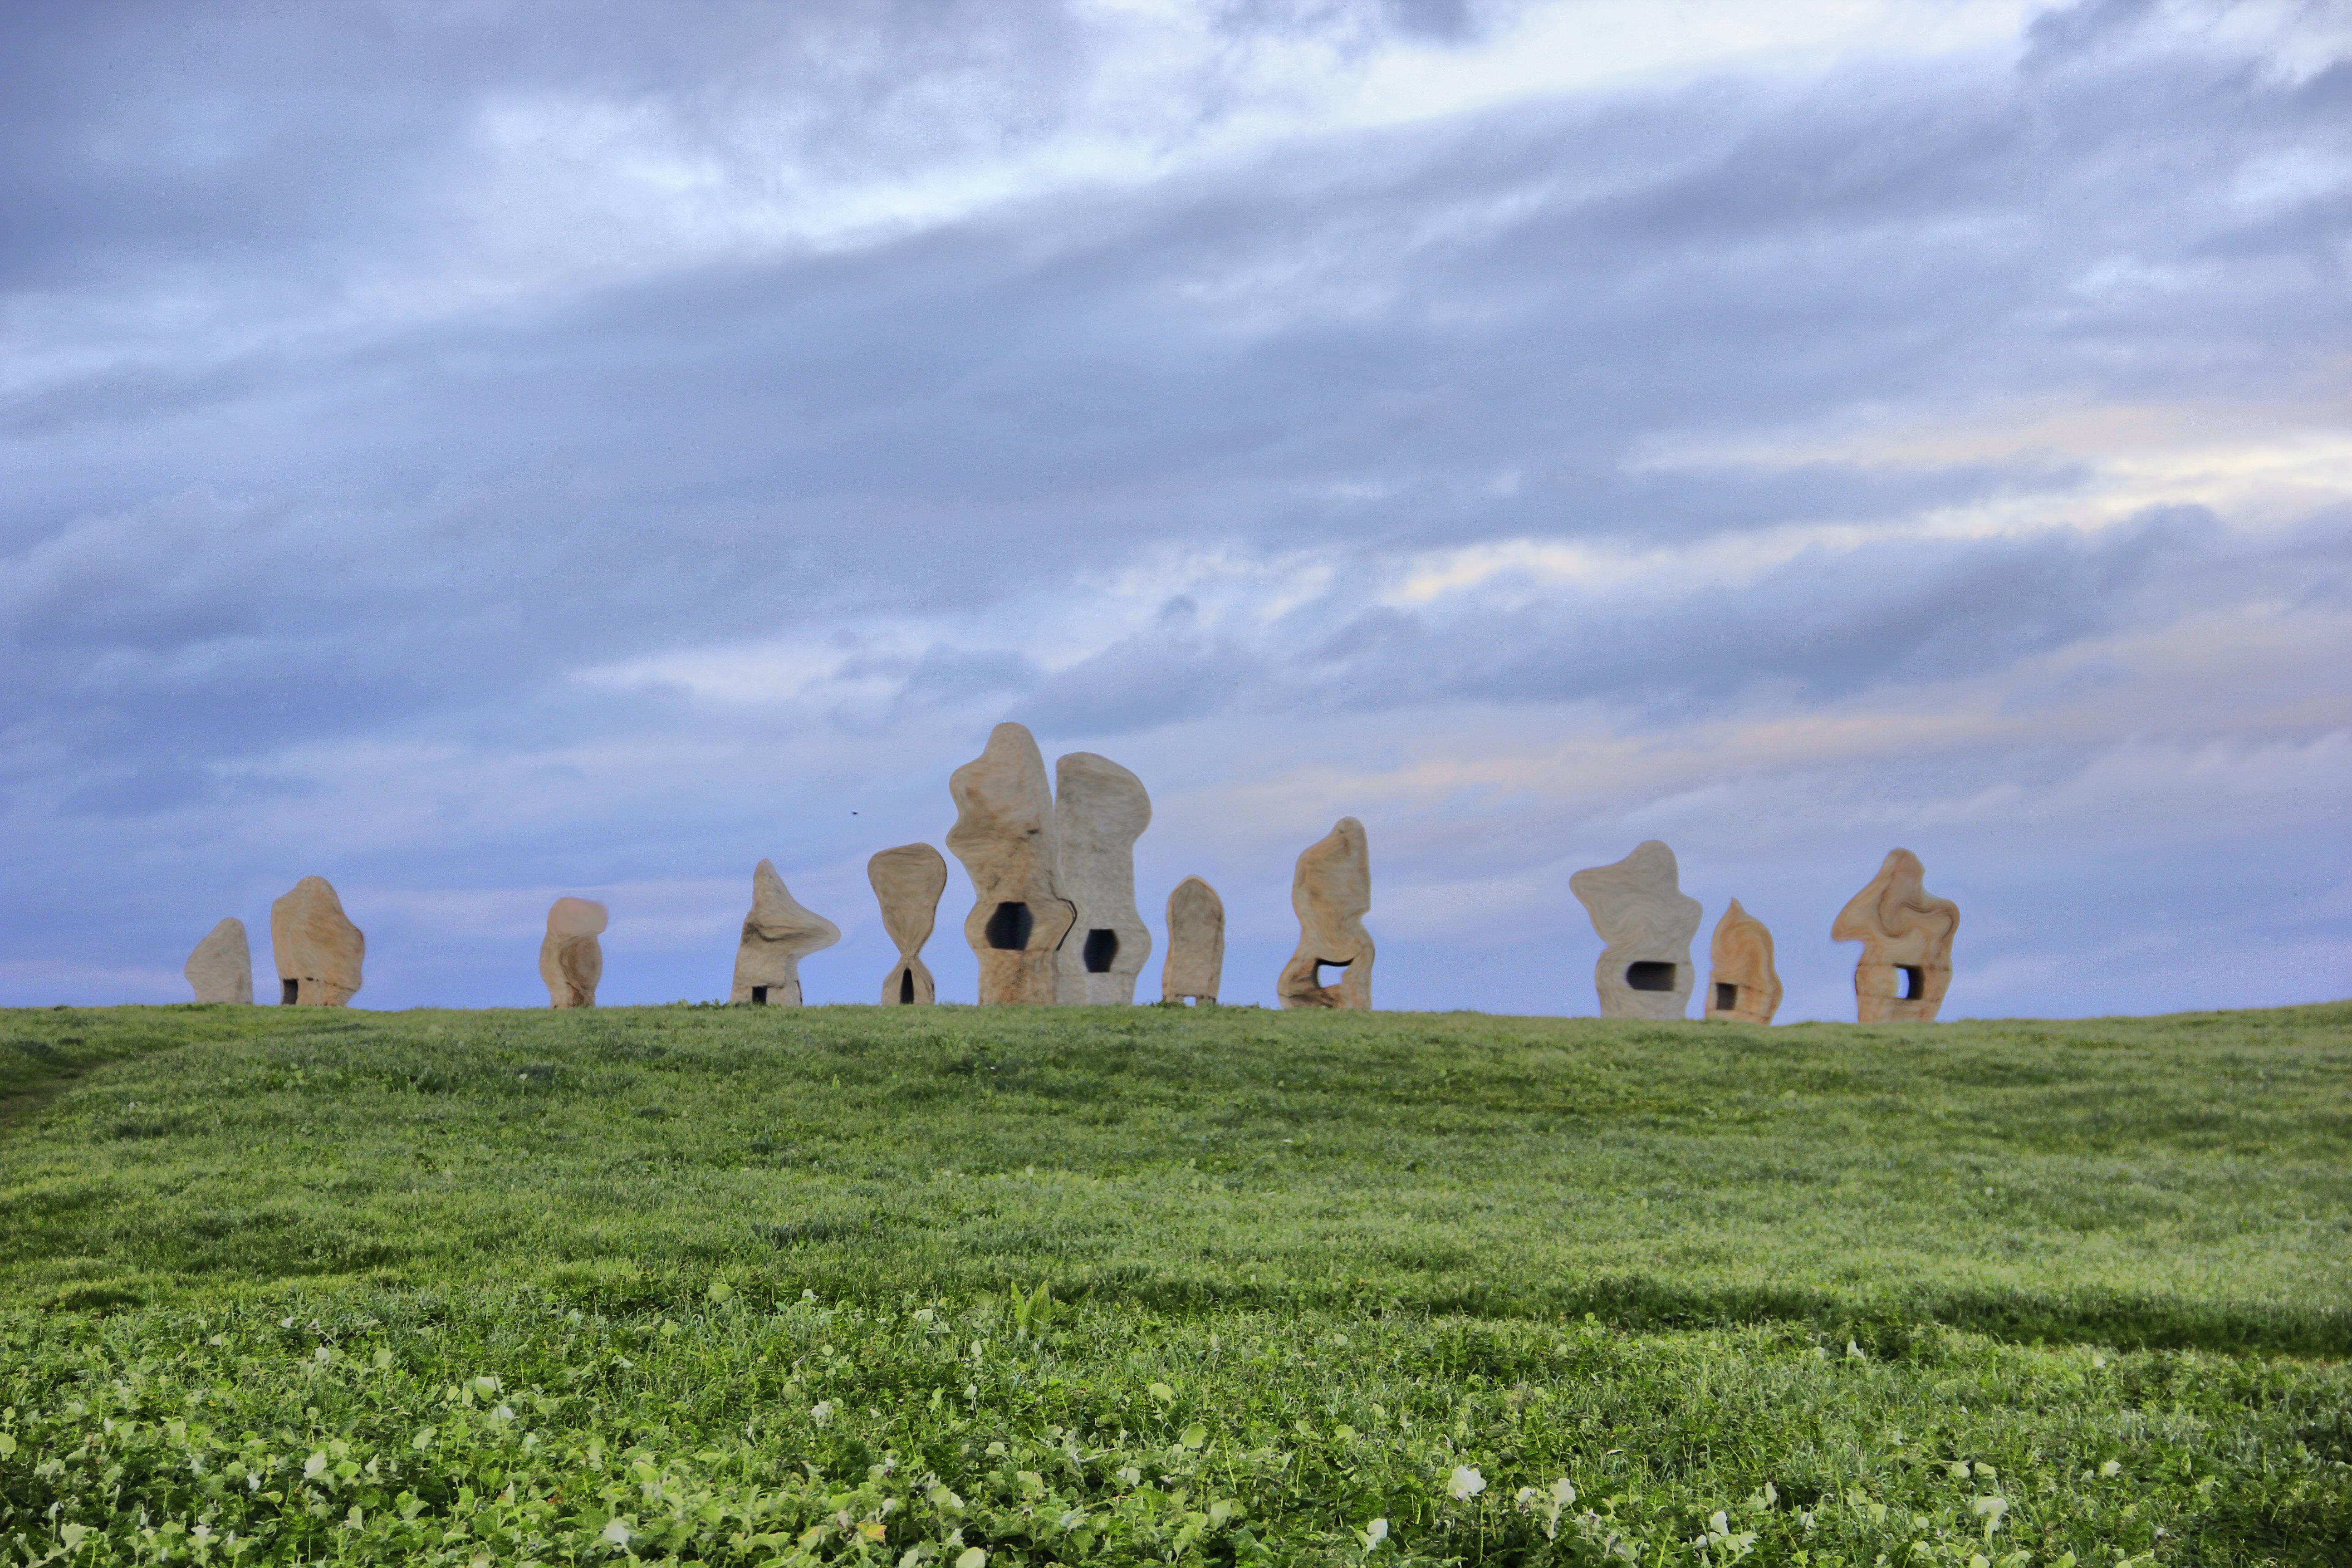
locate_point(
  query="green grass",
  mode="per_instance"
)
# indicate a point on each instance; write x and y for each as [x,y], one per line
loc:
[741,1286]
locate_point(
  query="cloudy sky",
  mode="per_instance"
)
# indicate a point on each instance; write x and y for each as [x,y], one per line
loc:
[489,450]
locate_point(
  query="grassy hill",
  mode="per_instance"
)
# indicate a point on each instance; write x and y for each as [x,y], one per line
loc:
[1146,1285]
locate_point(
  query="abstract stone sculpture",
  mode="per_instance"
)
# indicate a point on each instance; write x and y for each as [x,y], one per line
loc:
[1638,907]
[907,881]
[319,951]
[1005,837]
[1100,809]
[1742,986]
[1332,891]
[1196,943]
[777,934]
[221,968]
[1906,933]
[570,960]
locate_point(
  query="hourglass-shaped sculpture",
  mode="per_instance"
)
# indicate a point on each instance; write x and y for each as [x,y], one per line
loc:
[907,882]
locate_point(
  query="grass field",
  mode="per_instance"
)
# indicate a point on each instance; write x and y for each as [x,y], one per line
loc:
[1150,1285]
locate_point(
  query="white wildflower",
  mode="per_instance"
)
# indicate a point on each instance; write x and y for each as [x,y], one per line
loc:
[1466,1483]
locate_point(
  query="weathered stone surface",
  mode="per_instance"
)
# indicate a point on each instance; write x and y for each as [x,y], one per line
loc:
[1331,889]
[570,960]
[1100,809]
[1638,907]
[1906,933]
[221,968]
[907,881]
[1196,943]
[318,950]
[777,934]
[1741,984]
[1005,837]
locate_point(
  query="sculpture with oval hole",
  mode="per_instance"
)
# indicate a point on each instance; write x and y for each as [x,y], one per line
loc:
[777,934]
[1196,943]
[907,882]
[1742,986]
[221,967]
[1004,835]
[1641,911]
[570,959]
[318,950]
[1906,933]
[1331,889]
[1100,809]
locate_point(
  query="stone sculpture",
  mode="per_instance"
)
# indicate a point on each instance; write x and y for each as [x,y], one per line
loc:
[777,934]
[1100,809]
[1742,986]
[318,950]
[221,968]
[1332,891]
[907,881]
[1196,943]
[1906,933]
[1638,907]
[1004,835]
[570,960]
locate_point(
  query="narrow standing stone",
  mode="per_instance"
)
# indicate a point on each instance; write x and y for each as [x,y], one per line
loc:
[221,968]
[1196,943]
[571,960]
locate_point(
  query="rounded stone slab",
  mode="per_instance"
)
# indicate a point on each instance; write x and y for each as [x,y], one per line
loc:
[1906,933]
[221,967]
[1331,890]
[1639,909]
[318,950]
[1196,943]
[777,934]
[907,882]
[1100,809]
[1742,986]
[570,960]
[1004,835]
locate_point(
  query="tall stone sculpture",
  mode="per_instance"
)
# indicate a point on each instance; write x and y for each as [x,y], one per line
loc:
[570,960]
[907,881]
[221,968]
[1004,835]
[1742,986]
[777,934]
[319,951]
[1641,911]
[1906,933]
[1331,889]
[1100,809]
[1196,943]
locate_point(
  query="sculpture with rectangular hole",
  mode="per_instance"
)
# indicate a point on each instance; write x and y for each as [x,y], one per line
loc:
[1742,986]
[318,950]
[1196,943]
[1331,890]
[1004,835]
[1641,913]
[1100,809]
[907,882]
[1906,933]
[777,934]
